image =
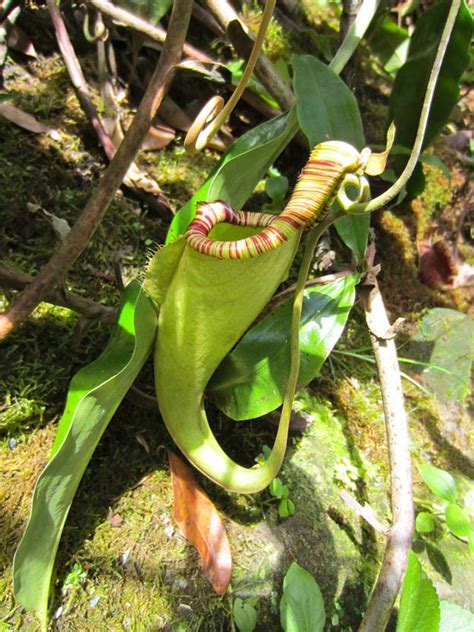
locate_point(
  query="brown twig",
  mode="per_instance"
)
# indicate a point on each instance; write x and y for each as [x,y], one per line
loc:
[77,239]
[16,280]
[366,512]
[400,535]
[78,80]
[136,179]
[206,19]
[156,33]
[242,42]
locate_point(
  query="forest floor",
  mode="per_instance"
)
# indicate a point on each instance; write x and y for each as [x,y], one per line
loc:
[122,563]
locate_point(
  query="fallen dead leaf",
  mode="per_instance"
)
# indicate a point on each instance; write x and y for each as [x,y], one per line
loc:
[200,523]
[26,121]
[19,41]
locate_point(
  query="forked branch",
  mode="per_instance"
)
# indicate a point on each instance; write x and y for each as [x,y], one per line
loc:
[70,249]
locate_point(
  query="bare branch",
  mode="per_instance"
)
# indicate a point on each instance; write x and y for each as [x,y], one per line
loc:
[16,280]
[78,80]
[69,250]
[156,33]
[366,512]
[400,535]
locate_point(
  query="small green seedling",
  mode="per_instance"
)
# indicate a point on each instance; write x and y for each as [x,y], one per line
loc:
[447,511]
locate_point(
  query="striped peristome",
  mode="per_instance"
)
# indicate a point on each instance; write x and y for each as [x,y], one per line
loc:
[315,190]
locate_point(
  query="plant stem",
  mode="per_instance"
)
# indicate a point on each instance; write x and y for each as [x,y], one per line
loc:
[395,189]
[354,34]
[264,69]
[401,533]
[292,383]
[202,132]
[82,231]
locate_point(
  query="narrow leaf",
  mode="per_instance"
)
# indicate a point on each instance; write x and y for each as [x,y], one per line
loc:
[251,380]
[94,395]
[240,168]
[327,110]
[302,605]
[440,482]
[454,618]
[457,521]
[419,605]
[200,523]
[410,84]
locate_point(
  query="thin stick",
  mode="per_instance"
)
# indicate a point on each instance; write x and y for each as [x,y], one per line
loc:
[395,189]
[16,280]
[87,222]
[400,535]
[156,33]
[78,80]
[365,511]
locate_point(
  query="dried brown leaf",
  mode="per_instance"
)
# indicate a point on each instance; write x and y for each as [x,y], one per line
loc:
[158,137]
[200,523]
[19,41]
[26,121]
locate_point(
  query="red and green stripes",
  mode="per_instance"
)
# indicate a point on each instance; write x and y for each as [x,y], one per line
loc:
[317,186]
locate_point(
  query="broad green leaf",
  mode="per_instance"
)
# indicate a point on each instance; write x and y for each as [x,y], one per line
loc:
[245,615]
[441,483]
[424,522]
[94,395]
[445,339]
[454,618]
[390,43]
[457,521]
[251,380]
[327,110]
[206,304]
[419,605]
[302,605]
[240,169]
[410,83]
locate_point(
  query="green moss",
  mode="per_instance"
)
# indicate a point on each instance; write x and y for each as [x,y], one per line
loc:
[277,43]
[179,174]
[437,194]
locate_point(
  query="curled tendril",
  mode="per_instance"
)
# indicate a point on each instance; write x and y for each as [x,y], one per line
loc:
[362,191]
[214,114]
[100,31]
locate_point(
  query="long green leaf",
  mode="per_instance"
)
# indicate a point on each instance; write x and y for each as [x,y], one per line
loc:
[327,110]
[419,605]
[410,83]
[241,167]
[251,380]
[95,394]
